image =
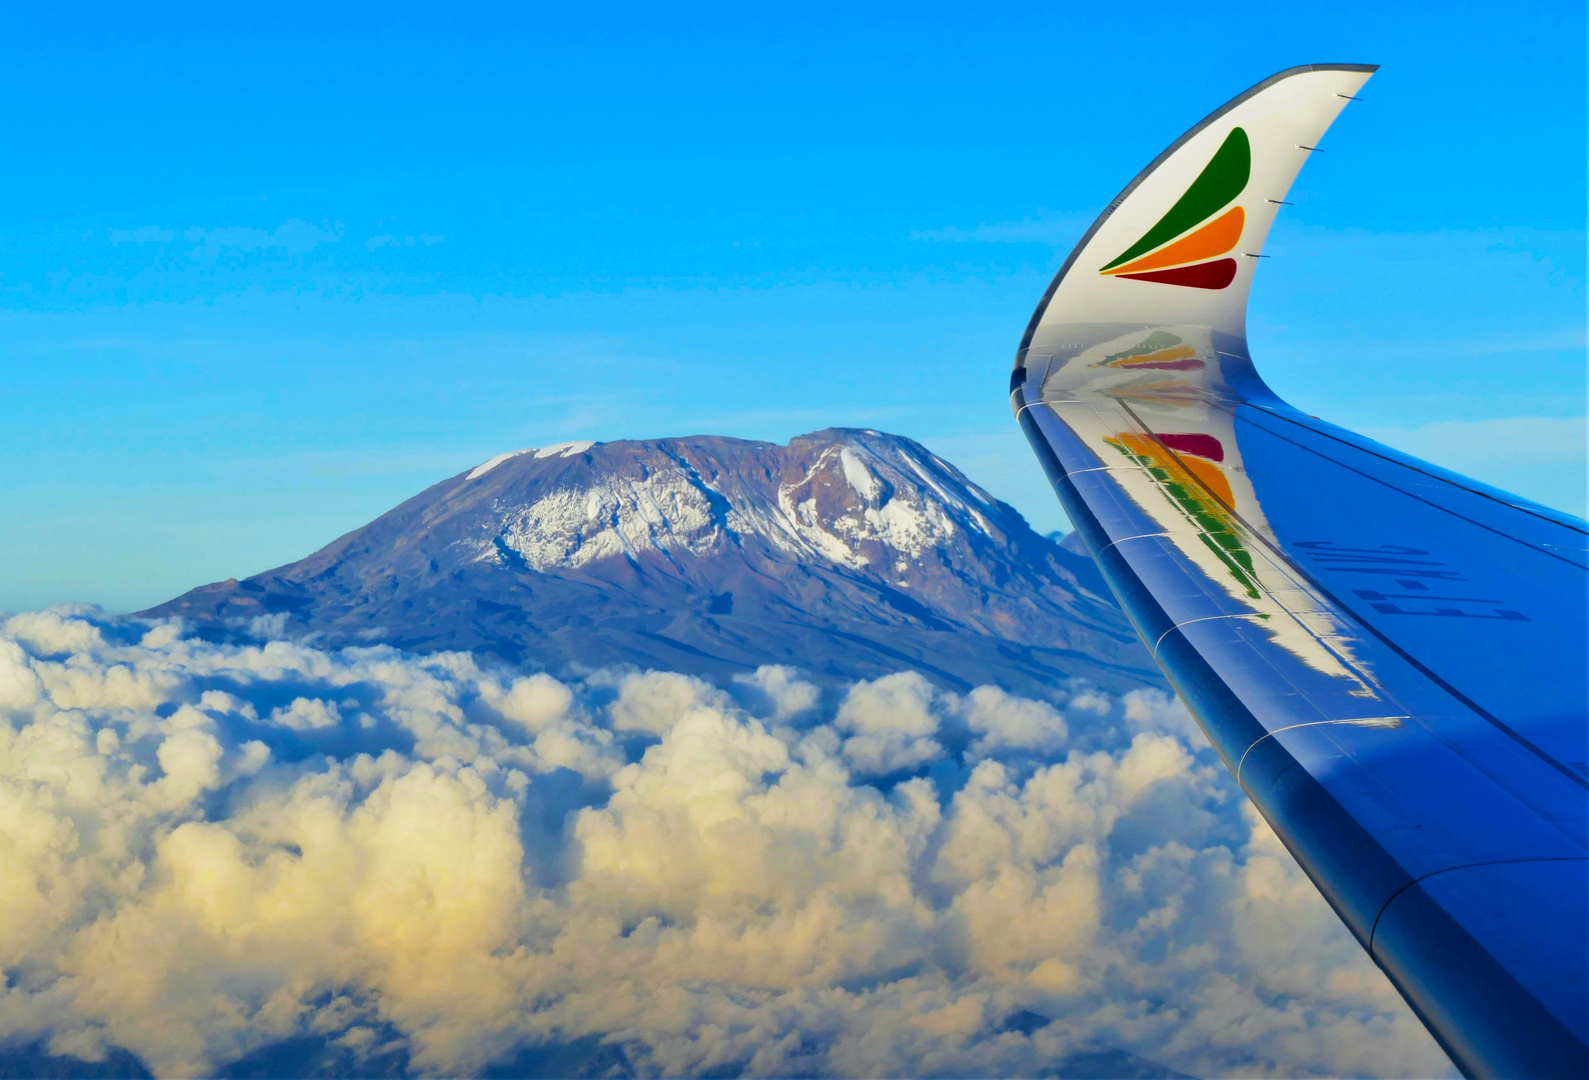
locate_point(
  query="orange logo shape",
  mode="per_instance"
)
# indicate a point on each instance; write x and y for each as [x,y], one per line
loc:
[1183,246]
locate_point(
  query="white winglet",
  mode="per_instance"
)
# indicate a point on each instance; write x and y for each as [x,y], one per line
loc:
[1179,245]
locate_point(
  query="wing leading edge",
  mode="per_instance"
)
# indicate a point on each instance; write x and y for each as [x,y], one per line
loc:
[1389,657]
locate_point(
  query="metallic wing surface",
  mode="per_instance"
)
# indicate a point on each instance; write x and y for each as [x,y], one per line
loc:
[1388,656]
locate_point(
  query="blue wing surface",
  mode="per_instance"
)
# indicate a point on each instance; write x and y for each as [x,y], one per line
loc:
[1388,656]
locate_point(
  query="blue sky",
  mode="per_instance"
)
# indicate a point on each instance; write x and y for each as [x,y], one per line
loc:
[269,270]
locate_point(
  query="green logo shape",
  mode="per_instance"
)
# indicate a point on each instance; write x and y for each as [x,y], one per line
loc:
[1220,181]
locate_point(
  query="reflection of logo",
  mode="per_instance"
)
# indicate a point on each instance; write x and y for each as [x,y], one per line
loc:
[1160,350]
[1187,467]
[1181,249]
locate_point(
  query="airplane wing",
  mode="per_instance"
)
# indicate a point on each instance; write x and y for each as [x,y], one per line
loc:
[1388,656]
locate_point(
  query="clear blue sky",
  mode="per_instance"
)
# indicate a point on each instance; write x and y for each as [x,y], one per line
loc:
[270,269]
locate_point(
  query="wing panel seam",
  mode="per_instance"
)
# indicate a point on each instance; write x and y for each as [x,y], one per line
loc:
[1201,618]
[1449,869]
[1363,721]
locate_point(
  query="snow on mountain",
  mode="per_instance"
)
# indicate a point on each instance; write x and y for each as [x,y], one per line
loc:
[567,449]
[846,553]
[617,516]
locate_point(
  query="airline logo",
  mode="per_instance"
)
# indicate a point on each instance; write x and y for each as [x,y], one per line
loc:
[1183,248]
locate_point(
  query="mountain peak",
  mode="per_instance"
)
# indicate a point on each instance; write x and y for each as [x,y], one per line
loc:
[847,552]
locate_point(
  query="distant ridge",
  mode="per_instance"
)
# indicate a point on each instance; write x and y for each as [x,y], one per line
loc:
[847,553]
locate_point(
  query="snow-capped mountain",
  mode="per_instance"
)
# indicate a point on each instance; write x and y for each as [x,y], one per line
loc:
[846,553]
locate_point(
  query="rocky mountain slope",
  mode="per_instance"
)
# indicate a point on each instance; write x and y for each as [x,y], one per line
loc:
[846,553]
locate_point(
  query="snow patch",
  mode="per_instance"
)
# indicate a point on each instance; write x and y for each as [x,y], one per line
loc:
[858,476]
[486,466]
[563,449]
[930,482]
[620,516]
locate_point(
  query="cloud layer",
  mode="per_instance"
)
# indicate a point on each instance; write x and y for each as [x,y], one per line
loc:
[213,849]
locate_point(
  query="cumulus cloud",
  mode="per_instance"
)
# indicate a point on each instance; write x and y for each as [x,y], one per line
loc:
[783,692]
[213,849]
[1005,722]
[1154,710]
[890,723]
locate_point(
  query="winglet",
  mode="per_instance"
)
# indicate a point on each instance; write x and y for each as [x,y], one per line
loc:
[1179,245]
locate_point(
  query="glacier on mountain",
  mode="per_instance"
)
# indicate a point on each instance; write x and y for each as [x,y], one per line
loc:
[574,526]
[675,509]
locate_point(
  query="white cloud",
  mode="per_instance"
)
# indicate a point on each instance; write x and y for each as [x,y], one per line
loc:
[890,723]
[1045,228]
[1480,443]
[535,703]
[653,701]
[306,714]
[782,691]
[1154,710]
[294,236]
[146,234]
[210,849]
[389,240]
[1543,458]
[1006,722]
